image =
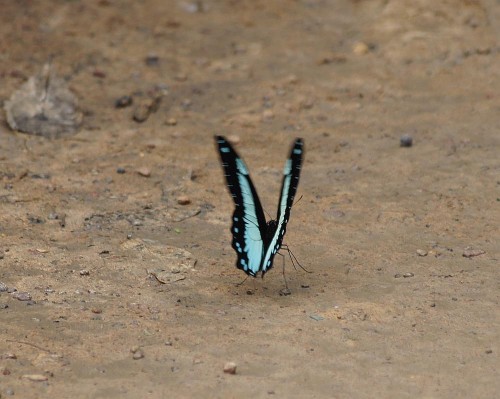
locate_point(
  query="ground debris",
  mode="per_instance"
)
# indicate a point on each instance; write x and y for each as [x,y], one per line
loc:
[44,106]
[470,252]
[230,368]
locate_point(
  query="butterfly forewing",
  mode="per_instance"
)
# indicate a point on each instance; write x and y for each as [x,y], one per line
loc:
[291,175]
[249,222]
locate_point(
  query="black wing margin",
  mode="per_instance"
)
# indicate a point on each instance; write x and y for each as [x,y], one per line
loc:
[249,222]
[291,175]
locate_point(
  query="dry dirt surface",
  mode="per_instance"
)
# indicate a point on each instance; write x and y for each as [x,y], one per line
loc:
[117,275]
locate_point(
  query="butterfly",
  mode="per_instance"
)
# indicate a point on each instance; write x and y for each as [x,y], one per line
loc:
[256,241]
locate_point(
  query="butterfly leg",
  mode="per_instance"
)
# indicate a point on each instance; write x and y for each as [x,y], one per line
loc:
[293,258]
[286,290]
[240,283]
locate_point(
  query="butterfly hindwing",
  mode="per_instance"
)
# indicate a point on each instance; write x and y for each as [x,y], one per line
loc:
[249,222]
[291,175]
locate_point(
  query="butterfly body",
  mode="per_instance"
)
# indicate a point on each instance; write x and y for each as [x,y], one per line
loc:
[255,240]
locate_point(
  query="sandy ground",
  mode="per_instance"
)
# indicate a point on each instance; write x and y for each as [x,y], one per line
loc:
[374,319]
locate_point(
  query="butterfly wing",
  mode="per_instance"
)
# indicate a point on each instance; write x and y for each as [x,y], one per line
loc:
[249,222]
[291,175]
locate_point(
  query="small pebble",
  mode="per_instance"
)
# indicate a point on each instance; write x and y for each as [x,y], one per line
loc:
[171,122]
[9,391]
[96,310]
[8,355]
[152,60]
[98,73]
[406,275]
[267,115]
[406,140]
[421,252]
[145,107]
[3,287]
[22,296]
[120,170]
[230,368]
[84,272]
[360,48]
[183,200]
[3,306]
[285,292]
[233,139]
[145,172]
[35,377]
[123,101]
[138,355]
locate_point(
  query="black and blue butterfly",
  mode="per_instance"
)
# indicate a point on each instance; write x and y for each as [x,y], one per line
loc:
[256,241]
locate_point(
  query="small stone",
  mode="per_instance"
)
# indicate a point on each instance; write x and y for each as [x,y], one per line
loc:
[471,252]
[267,115]
[397,275]
[360,48]
[406,275]
[123,101]
[285,292]
[139,354]
[183,200]
[3,306]
[120,170]
[152,60]
[421,252]
[292,79]
[233,139]
[146,107]
[181,77]
[3,287]
[96,310]
[171,122]
[84,272]
[168,343]
[145,172]
[9,391]
[406,140]
[99,73]
[35,377]
[22,296]
[230,368]
[8,355]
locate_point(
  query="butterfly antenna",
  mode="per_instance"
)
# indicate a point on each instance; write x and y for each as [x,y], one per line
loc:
[296,202]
